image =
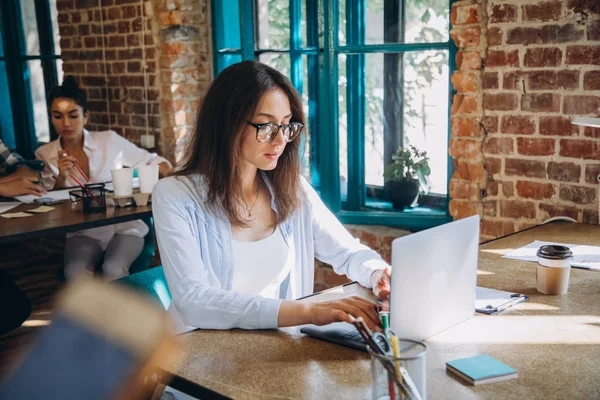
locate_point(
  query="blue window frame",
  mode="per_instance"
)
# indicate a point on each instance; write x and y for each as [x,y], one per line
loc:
[28,70]
[359,65]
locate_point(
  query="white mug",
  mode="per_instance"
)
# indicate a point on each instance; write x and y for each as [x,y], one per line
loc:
[122,181]
[148,175]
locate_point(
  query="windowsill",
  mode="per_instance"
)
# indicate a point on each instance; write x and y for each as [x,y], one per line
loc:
[414,219]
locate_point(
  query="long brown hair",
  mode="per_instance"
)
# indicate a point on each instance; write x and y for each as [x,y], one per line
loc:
[215,147]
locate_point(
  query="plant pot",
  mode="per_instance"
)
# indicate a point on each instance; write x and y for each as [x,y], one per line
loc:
[402,193]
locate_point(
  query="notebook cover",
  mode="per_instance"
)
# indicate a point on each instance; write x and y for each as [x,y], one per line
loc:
[481,367]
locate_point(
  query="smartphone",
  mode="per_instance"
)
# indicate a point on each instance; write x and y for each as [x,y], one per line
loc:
[103,342]
[47,201]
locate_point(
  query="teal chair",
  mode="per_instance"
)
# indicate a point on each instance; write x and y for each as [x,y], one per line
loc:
[144,260]
[151,283]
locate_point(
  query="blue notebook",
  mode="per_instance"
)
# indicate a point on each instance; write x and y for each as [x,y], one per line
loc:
[481,369]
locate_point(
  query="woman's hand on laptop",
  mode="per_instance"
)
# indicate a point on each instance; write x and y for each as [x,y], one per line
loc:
[293,313]
[380,279]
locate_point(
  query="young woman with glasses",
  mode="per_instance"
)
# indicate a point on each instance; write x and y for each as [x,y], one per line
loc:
[238,228]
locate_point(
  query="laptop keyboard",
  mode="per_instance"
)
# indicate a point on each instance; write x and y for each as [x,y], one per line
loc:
[355,337]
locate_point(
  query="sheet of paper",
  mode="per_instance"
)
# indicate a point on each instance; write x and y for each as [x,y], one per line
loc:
[53,194]
[15,215]
[341,292]
[8,206]
[583,256]
[490,297]
[41,209]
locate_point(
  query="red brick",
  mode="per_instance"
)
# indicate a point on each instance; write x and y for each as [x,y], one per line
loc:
[462,208]
[500,58]
[493,165]
[465,127]
[464,148]
[552,80]
[593,30]
[83,29]
[466,37]
[517,209]
[578,105]
[543,57]
[545,102]
[490,124]
[86,3]
[118,67]
[508,189]
[586,149]
[490,207]
[579,55]
[464,15]
[518,125]
[503,13]
[577,194]
[133,40]
[535,147]
[591,80]
[495,36]
[584,6]
[467,171]
[545,11]
[500,101]
[512,80]
[545,34]
[130,54]
[492,189]
[534,190]
[557,126]
[588,131]
[590,217]
[465,82]
[130,12]
[526,168]
[489,80]
[90,42]
[464,104]
[495,145]
[466,60]
[134,66]
[464,190]
[591,173]
[564,171]
[551,210]
[497,228]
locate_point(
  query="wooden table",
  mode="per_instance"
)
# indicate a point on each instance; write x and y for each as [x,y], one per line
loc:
[63,219]
[552,341]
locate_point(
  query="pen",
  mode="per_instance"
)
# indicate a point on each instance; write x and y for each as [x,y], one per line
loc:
[385,322]
[396,349]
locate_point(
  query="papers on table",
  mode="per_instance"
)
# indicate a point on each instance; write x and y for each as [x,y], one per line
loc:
[587,257]
[53,194]
[8,206]
[41,209]
[491,301]
[15,215]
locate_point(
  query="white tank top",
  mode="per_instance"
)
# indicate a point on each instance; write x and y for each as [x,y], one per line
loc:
[260,267]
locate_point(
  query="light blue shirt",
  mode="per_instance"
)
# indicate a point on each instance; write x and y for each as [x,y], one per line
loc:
[196,252]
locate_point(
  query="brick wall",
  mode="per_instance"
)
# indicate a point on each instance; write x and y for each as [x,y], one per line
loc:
[118,48]
[541,67]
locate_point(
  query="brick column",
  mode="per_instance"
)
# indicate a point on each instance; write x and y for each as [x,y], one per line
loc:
[469,177]
[185,67]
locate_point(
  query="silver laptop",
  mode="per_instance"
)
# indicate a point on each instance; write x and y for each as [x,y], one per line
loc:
[434,274]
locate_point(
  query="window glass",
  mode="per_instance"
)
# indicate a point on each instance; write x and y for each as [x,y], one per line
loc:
[273,25]
[343,125]
[30,28]
[7,132]
[279,61]
[38,97]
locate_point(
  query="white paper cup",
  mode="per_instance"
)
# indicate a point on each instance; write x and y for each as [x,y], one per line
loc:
[553,269]
[122,181]
[148,175]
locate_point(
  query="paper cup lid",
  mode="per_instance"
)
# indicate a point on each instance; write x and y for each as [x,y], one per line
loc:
[554,252]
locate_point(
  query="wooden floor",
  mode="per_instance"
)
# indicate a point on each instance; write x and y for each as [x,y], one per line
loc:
[35,271]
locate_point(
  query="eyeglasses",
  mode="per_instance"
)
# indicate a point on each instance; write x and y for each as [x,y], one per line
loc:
[265,133]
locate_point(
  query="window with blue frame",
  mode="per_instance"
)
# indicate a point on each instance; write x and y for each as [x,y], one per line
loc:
[29,68]
[374,75]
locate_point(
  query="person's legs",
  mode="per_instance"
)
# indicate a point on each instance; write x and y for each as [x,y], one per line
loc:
[82,255]
[120,254]
[14,305]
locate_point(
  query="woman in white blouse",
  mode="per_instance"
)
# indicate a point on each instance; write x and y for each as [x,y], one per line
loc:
[238,228]
[113,247]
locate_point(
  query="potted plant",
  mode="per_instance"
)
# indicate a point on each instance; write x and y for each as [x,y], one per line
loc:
[405,176]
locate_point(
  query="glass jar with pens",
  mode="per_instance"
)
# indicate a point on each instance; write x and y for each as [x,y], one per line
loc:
[398,366]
